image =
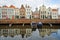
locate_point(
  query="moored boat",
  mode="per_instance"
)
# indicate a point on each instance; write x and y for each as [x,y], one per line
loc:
[34,24]
[39,25]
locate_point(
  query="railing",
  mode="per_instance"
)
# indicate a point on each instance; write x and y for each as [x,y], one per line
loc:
[30,20]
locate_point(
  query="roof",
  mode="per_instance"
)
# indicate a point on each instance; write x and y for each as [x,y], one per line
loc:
[22,7]
[0,6]
[5,6]
[28,6]
[12,6]
[54,9]
[43,5]
[49,7]
[58,15]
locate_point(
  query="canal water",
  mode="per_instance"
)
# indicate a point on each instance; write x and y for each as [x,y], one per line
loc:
[29,34]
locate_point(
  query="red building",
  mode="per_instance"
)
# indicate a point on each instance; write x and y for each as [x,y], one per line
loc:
[36,14]
[22,12]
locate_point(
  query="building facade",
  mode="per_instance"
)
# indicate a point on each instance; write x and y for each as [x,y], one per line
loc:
[7,12]
[35,14]
[17,13]
[22,12]
[49,12]
[0,13]
[12,12]
[54,13]
[4,12]
[58,16]
[28,12]
[42,12]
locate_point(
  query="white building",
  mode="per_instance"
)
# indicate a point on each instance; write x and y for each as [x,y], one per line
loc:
[49,12]
[54,13]
[0,13]
[28,12]
[42,12]
[17,13]
[10,13]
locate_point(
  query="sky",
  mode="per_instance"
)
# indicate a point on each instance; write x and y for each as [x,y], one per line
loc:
[32,3]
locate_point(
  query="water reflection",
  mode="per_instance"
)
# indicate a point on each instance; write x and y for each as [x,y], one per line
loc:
[13,32]
[46,32]
[29,34]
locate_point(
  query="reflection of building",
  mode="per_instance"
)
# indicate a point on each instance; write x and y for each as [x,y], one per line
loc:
[22,31]
[17,31]
[5,32]
[36,14]
[12,32]
[25,32]
[9,32]
[28,32]
[54,13]
[28,12]
[53,30]
[0,32]
[44,32]
[22,12]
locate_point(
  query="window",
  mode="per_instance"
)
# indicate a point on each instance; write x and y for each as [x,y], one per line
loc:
[17,17]
[41,12]
[5,30]
[27,9]
[28,12]
[48,12]
[41,16]
[45,11]
[0,13]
